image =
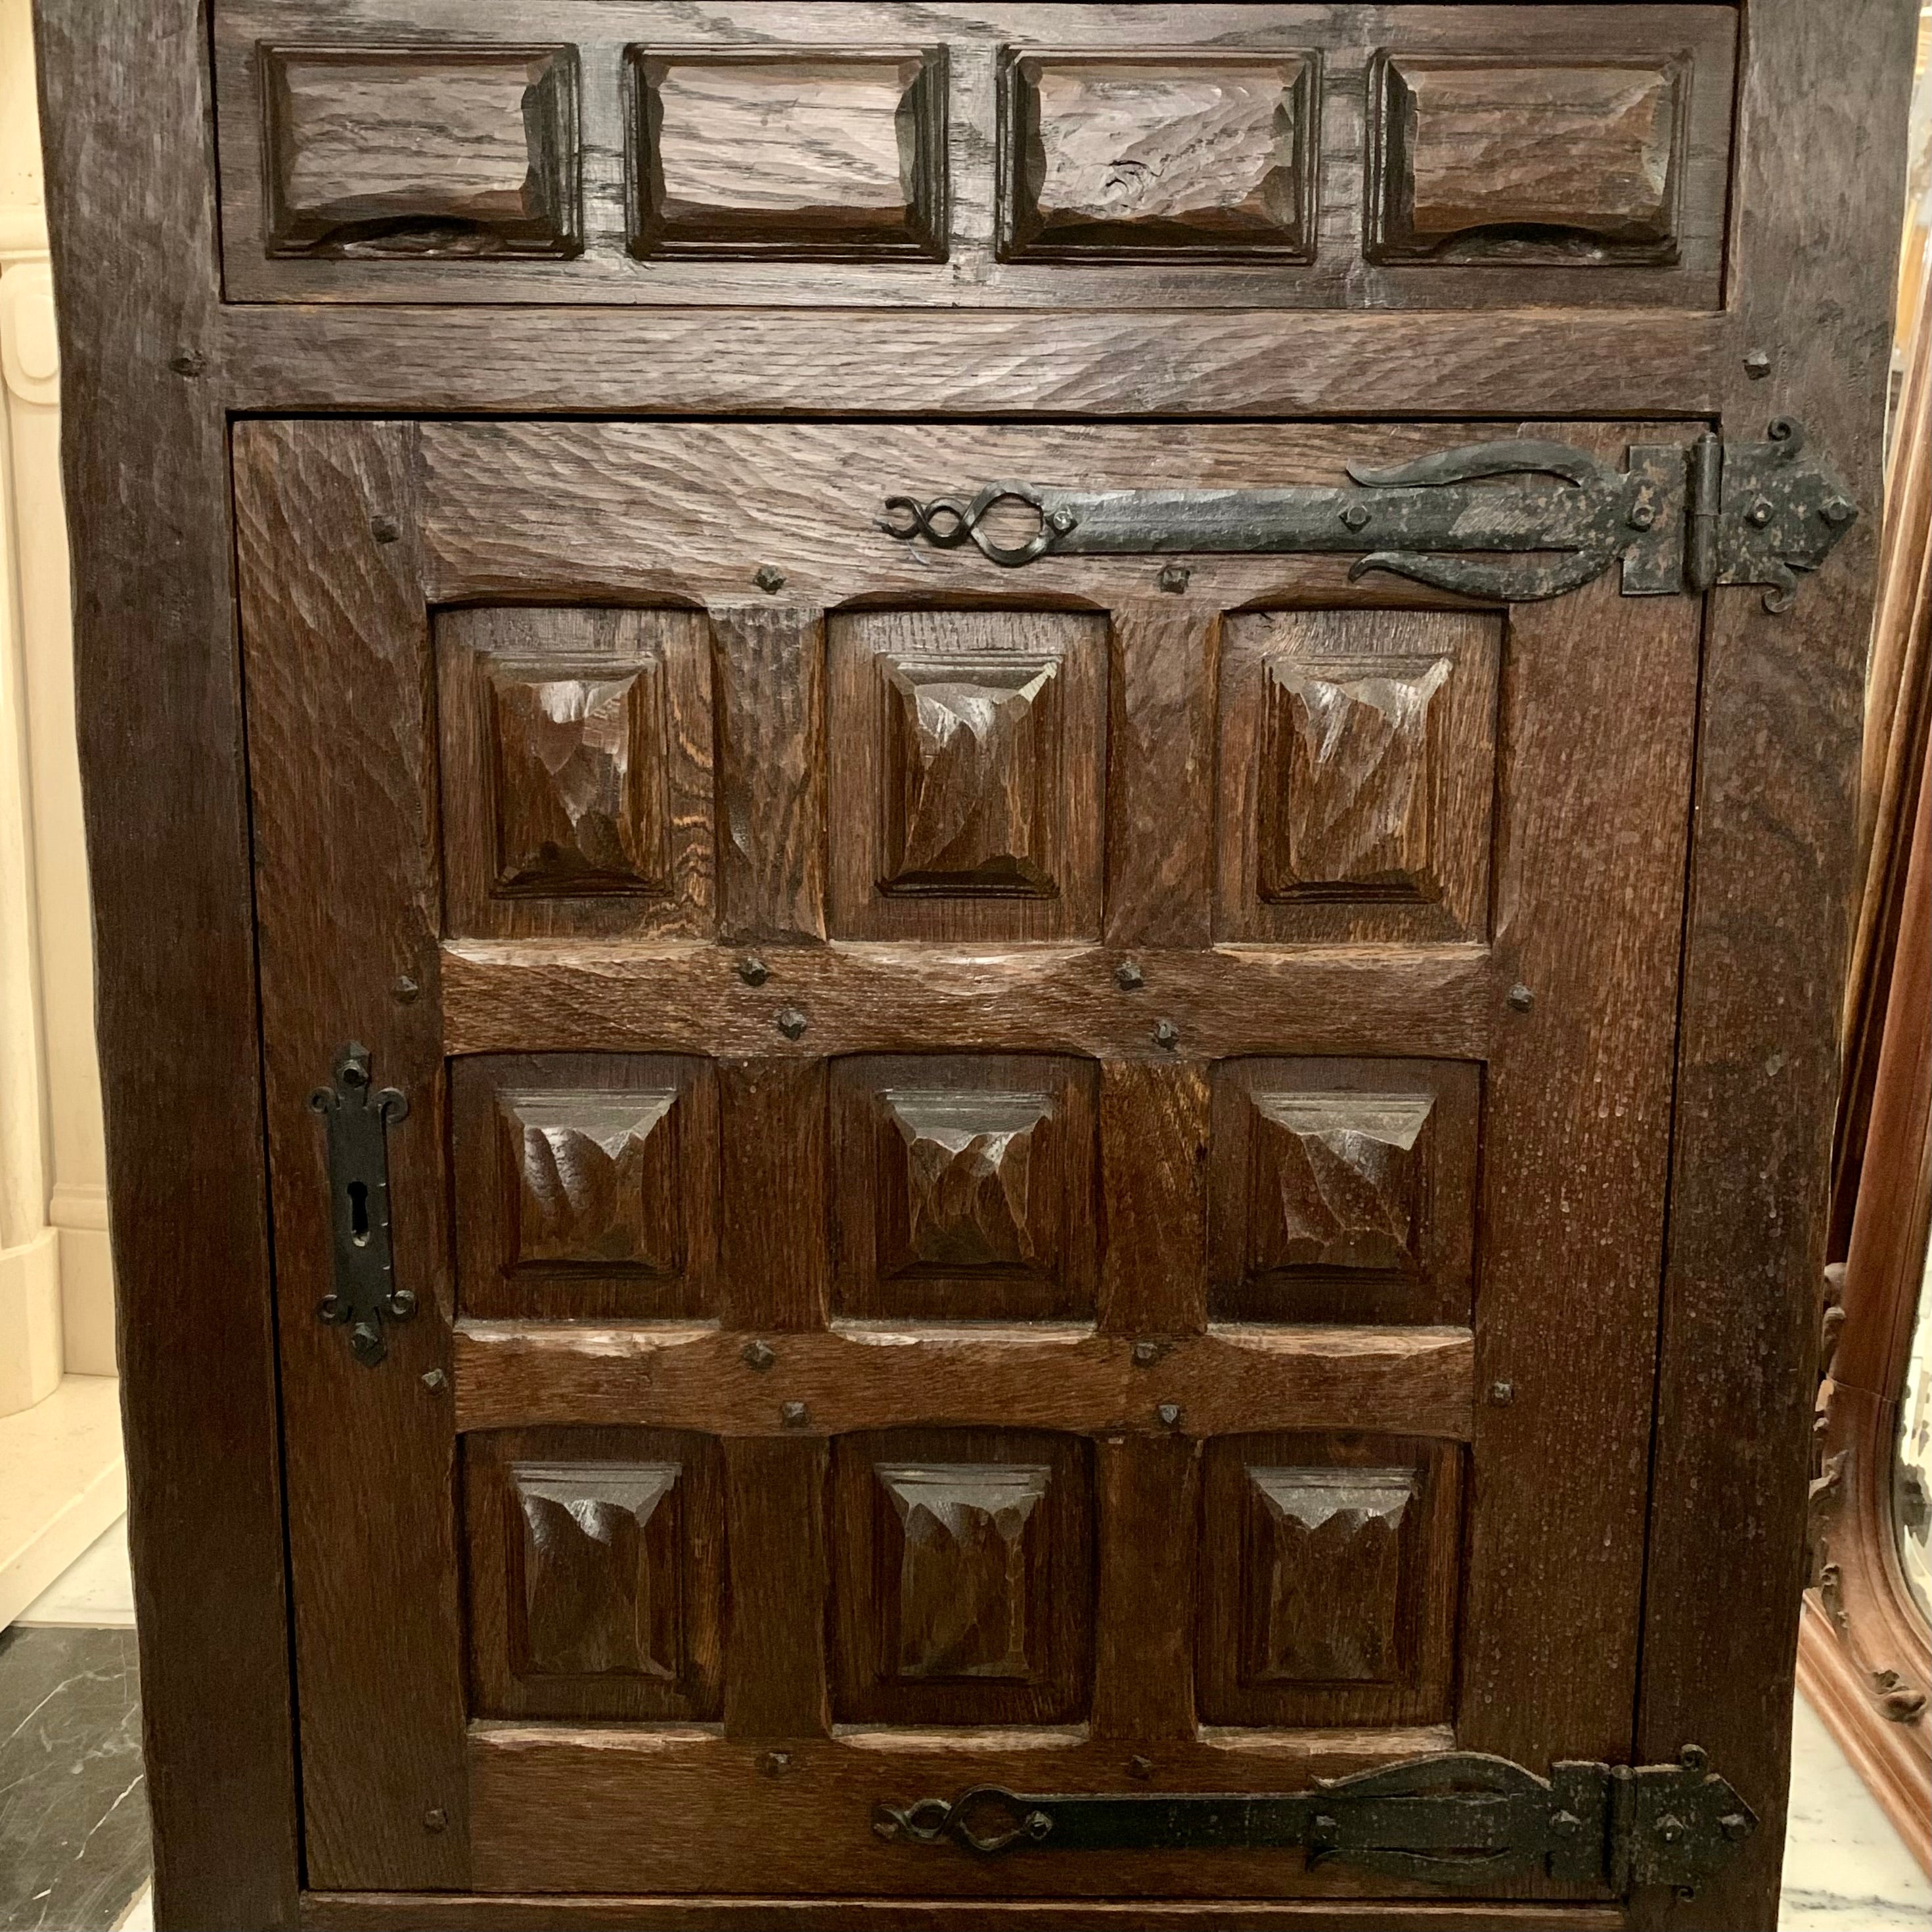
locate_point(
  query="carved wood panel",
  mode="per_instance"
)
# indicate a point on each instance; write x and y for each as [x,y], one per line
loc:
[967,794]
[965,1187]
[577,756]
[962,1561]
[1357,774]
[1329,1567]
[596,1574]
[586,1184]
[1342,1190]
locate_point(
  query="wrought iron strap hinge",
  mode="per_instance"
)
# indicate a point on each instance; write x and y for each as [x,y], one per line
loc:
[359,1120]
[1515,521]
[1462,1819]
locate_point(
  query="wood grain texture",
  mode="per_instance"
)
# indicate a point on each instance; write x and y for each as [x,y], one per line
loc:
[1201,125]
[769,673]
[875,1376]
[125,112]
[1346,367]
[595,1565]
[1589,905]
[776,1245]
[1488,157]
[576,764]
[1153,1150]
[822,154]
[326,608]
[1764,944]
[586,1185]
[539,996]
[1176,155]
[418,1912]
[776,1678]
[1147,1492]
[420,153]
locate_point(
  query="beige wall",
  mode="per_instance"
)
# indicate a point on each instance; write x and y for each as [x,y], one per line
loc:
[56,1296]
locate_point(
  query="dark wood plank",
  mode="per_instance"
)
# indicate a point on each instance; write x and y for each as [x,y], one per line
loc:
[418,1912]
[1766,937]
[534,997]
[775,1250]
[1413,1380]
[775,1676]
[769,695]
[125,116]
[330,610]
[1153,1152]
[1588,898]
[1147,1488]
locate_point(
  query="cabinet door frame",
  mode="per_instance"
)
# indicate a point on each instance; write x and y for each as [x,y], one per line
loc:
[157,365]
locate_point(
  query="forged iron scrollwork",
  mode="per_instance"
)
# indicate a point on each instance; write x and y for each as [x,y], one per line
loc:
[1514,521]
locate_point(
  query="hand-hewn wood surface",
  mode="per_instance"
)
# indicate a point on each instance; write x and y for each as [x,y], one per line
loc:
[1764,943]
[125,118]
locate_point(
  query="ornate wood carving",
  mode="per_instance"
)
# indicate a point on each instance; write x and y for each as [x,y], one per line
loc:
[963,1566]
[967,1532]
[600,1564]
[598,1177]
[427,152]
[967,798]
[975,749]
[1356,775]
[1323,1554]
[579,779]
[1337,1180]
[1476,157]
[1347,790]
[1186,155]
[965,1186]
[969,1165]
[819,152]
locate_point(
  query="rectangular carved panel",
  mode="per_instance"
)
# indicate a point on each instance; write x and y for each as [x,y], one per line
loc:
[1357,774]
[426,153]
[577,758]
[586,1185]
[1488,158]
[1186,154]
[1342,1190]
[819,152]
[965,1187]
[597,1562]
[963,1566]
[968,774]
[1328,1580]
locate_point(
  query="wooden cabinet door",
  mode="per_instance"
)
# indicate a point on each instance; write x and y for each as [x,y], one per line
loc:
[1052,1179]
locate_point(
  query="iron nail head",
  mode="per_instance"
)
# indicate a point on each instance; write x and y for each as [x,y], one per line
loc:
[1166,1035]
[1146,1354]
[406,989]
[436,1819]
[1061,521]
[1520,997]
[769,577]
[1129,977]
[1759,515]
[1757,364]
[1839,510]
[1169,1413]
[1174,577]
[775,1763]
[1038,1825]
[385,530]
[1140,1767]
[187,362]
[753,970]
[759,1355]
[1502,1394]
[435,1378]
[794,1414]
[1356,516]
[792,1023]
[1642,516]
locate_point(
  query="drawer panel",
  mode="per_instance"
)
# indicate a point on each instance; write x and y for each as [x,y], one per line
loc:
[1320,157]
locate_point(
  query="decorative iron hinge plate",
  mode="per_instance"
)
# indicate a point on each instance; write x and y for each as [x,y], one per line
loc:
[359,1120]
[1514,521]
[1461,1819]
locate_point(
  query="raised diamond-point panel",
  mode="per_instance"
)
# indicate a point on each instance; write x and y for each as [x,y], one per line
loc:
[970,807]
[1348,794]
[597,1176]
[970,1178]
[1186,155]
[1337,1179]
[963,1599]
[579,781]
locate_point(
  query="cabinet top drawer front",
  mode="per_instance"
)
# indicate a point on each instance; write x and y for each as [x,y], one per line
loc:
[991,156]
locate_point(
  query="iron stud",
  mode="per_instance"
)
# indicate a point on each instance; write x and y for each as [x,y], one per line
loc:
[1356,516]
[1062,521]
[753,970]
[406,989]
[792,1023]
[436,1819]
[1169,1413]
[1146,1354]
[1759,515]
[435,1378]
[1166,1035]
[759,1355]
[1520,997]
[385,530]
[1129,977]
[1502,1394]
[1173,576]
[1140,1767]
[769,577]
[794,1414]
[1757,364]
[187,362]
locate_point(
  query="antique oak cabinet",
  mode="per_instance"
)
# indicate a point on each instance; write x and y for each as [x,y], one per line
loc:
[970,880]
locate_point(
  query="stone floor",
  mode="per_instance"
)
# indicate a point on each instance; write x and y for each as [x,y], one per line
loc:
[74,1816]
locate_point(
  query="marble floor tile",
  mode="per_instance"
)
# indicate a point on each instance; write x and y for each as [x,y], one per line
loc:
[1845,1869]
[96,1589]
[74,1808]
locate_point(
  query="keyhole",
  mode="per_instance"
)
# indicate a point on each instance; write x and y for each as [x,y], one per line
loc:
[358,1213]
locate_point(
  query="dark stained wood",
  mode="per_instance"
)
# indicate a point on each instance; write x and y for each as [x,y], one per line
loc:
[327,608]
[1437,1000]
[1764,944]
[775,1675]
[789,157]
[124,116]
[1153,1152]
[775,1248]
[1146,1489]
[770,666]
[511,1375]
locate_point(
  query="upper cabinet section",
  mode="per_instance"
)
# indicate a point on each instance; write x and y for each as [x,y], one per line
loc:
[1025,157]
